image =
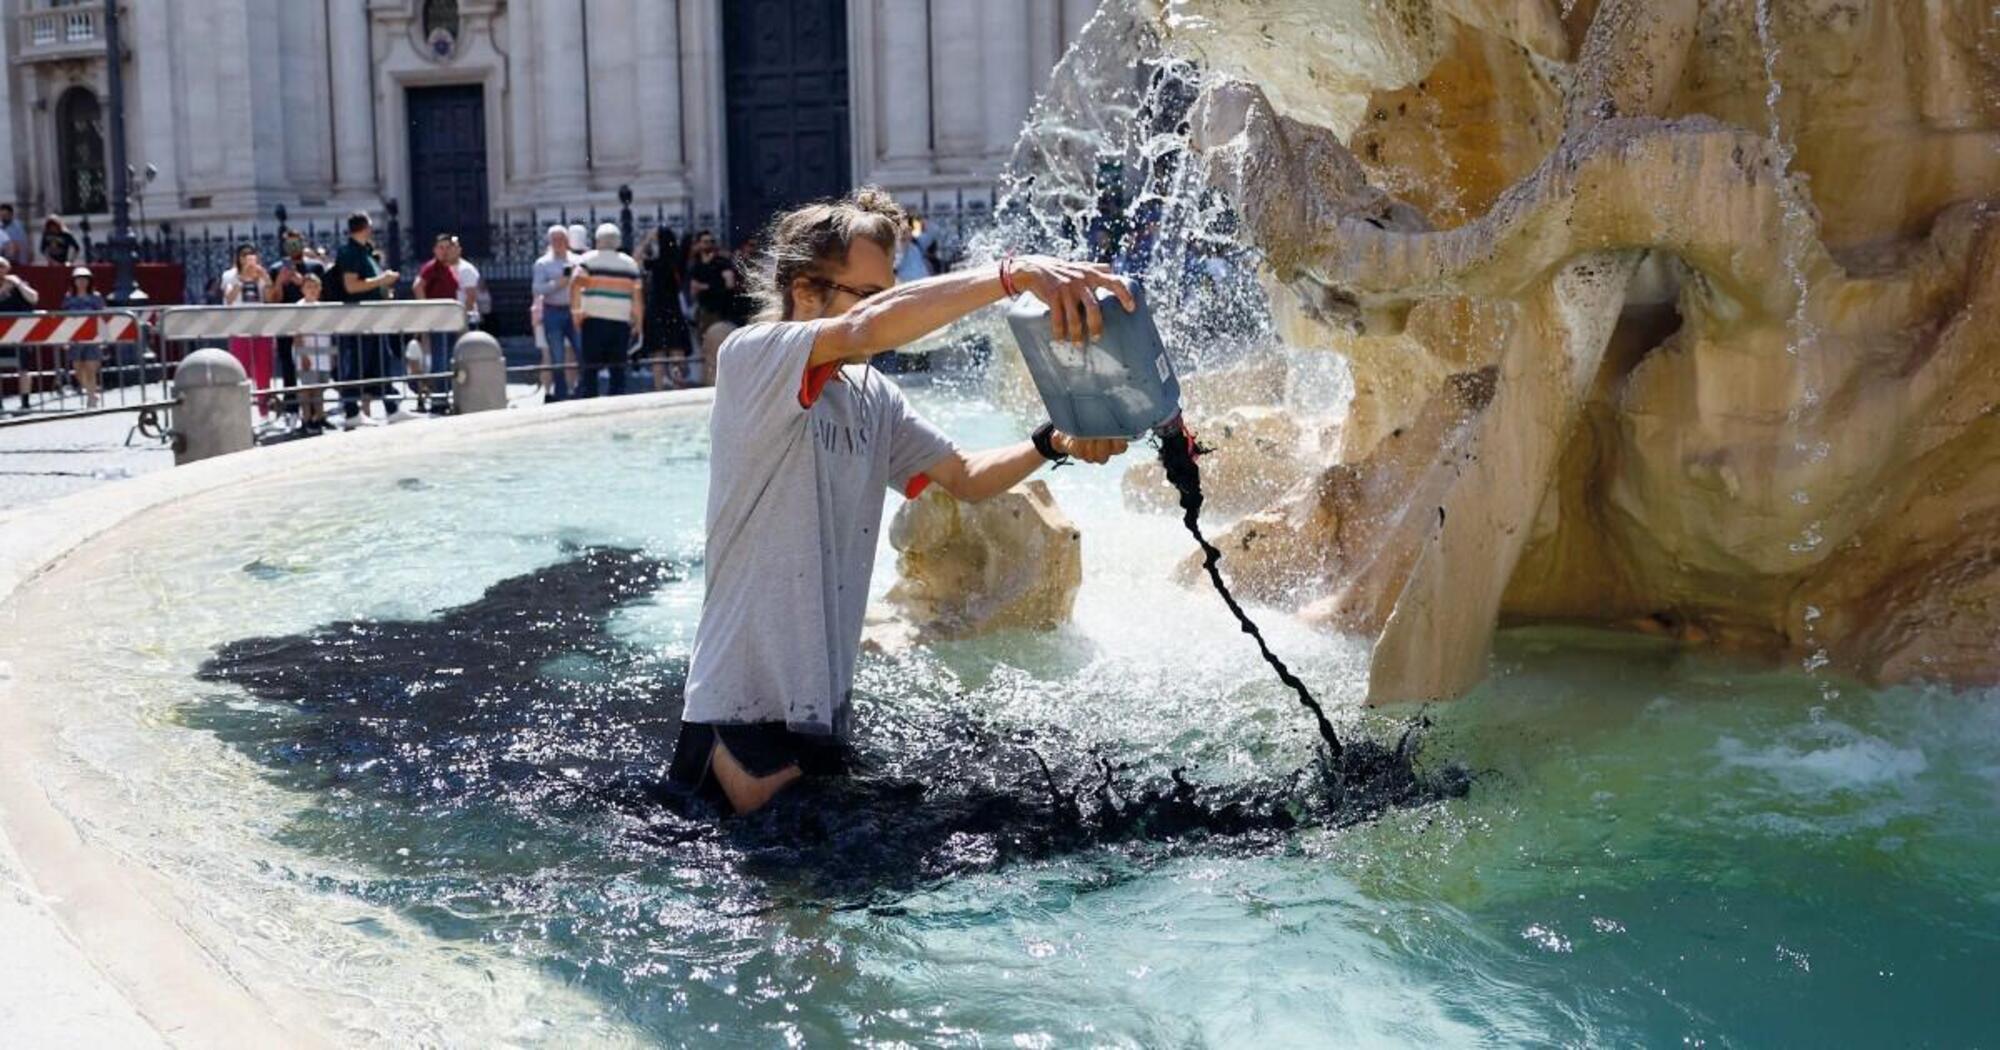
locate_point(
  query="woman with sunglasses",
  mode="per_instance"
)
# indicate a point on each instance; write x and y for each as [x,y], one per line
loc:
[805,442]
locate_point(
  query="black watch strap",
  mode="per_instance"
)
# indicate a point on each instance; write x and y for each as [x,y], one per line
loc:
[1045,443]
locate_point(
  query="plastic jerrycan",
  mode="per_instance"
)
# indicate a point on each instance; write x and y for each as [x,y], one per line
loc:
[1119,385]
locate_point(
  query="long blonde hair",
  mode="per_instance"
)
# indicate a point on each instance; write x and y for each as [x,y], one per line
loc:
[798,243]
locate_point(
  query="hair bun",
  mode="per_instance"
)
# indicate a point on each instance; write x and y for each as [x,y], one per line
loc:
[875,199]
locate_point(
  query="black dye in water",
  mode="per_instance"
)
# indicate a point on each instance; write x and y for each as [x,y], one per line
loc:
[1364,770]
[523,708]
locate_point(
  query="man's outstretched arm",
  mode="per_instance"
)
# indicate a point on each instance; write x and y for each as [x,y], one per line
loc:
[976,476]
[908,312]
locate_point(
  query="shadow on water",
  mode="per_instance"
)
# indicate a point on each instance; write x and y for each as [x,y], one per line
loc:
[522,709]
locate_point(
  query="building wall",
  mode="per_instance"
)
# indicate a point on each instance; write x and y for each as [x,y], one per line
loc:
[243,105]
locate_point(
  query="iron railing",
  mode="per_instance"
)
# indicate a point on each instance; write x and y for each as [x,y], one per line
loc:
[504,248]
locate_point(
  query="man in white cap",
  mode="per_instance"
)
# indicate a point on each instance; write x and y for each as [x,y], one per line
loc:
[551,287]
[607,298]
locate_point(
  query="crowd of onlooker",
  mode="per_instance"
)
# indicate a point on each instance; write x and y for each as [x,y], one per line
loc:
[597,314]
[686,292]
[58,247]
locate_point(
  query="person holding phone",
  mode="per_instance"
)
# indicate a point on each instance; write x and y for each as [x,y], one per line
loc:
[552,275]
[248,282]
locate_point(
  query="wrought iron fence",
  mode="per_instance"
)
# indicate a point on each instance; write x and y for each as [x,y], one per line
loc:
[505,248]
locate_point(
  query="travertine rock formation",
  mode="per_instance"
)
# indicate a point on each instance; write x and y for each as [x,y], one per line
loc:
[1669,313]
[1259,451]
[967,569]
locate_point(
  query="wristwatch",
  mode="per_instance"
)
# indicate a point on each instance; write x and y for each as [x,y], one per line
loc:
[1045,443]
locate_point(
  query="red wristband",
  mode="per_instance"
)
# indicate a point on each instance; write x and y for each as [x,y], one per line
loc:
[1006,282]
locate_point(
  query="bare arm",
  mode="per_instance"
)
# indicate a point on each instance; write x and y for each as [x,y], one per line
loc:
[356,284]
[909,311]
[977,476]
[638,307]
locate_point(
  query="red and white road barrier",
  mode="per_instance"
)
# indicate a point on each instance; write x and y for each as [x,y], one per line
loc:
[56,329]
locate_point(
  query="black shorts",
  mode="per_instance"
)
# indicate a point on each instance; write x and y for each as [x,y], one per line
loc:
[762,748]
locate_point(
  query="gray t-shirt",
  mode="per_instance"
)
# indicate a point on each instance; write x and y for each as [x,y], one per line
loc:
[795,499]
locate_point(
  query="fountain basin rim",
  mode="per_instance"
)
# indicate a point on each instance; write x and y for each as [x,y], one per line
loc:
[136,942]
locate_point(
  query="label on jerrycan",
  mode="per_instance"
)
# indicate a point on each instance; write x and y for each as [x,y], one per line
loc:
[1119,385]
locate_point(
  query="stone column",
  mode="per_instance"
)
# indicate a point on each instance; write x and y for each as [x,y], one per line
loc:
[14,134]
[155,51]
[353,101]
[1075,14]
[561,83]
[662,167]
[958,135]
[1009,80]
[902,92]
[1046,40]
[213,418]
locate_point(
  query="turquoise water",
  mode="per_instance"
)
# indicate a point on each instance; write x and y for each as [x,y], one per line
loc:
[1660,847]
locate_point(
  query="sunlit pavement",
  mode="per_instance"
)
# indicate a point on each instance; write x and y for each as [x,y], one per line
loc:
[60,456]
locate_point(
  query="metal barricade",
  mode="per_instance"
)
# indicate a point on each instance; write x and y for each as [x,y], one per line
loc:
[47,347]
[368,345]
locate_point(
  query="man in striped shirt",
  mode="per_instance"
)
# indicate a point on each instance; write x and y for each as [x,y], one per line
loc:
[606,297]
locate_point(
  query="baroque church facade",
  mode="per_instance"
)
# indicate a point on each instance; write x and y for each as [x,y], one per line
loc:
[461,111]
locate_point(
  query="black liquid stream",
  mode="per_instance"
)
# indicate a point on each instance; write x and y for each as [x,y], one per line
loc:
[1178,454]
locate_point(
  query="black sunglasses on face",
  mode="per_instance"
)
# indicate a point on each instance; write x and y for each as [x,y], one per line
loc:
[858,293]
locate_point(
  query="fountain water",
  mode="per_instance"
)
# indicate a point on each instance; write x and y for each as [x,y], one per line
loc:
[393,766]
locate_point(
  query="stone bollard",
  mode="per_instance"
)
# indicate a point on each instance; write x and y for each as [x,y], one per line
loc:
[213,418]
[479,374]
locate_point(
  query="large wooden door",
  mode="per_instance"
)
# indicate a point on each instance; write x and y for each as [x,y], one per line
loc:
[448,167]
[785,75]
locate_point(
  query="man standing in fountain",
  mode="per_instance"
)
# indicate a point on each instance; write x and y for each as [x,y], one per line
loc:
[806,440]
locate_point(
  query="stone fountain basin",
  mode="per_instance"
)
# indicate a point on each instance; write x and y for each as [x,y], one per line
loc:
[99,951]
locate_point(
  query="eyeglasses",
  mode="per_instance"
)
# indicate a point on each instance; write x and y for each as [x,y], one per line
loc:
[858,293]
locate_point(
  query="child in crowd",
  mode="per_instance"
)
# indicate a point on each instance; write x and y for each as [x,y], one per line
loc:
[315,363]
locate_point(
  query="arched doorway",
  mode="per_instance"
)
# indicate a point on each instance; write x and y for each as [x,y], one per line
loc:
[80,150]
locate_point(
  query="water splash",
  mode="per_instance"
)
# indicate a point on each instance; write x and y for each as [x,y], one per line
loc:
[1802,333]
[1102,172]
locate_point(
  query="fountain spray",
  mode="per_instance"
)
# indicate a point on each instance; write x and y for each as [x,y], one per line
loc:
[1122,384]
